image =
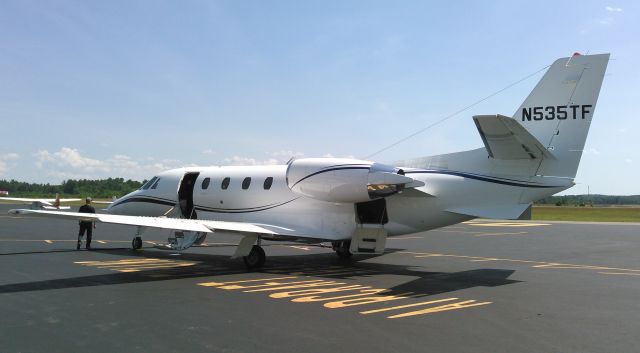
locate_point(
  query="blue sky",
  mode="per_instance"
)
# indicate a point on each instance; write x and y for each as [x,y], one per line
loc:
[92,89]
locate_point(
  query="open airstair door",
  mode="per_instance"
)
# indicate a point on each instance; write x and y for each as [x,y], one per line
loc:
[184,239]
[185,195]
[370,237]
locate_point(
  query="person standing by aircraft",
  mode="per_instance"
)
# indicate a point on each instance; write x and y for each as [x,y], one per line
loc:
[86,225]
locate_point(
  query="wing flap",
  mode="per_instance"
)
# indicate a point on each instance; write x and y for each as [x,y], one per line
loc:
[505,138]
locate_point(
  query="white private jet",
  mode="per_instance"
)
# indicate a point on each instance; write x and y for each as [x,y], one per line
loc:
[356,204]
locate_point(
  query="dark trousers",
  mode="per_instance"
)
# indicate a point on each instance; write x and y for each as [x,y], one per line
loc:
[88,226]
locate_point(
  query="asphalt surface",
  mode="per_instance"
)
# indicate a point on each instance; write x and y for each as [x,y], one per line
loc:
[475,287]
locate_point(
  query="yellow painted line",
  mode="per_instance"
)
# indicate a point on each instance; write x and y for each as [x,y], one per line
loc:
[461,305]
[305,248]
[478,234]
[48,241]
[536,264]
[141,265]
[406,306]
[101,241]
[151,267]
[492,234]
[620,273]
[117,261]
[509,224]
[215,284]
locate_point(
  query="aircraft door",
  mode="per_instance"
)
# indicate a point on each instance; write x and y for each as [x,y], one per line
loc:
[185,195]
[372,212]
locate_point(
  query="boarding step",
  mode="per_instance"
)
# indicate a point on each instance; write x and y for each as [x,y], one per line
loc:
[368,239]
[183,240]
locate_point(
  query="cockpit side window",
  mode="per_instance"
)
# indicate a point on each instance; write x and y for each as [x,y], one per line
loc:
[148,184]
[155,185]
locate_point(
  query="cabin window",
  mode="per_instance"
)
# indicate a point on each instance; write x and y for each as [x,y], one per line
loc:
[205,183]
[267,183]
[148,184]
[245,183]
[155,185]
[225,183]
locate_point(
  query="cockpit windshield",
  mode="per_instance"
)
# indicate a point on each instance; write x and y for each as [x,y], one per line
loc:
[148,184]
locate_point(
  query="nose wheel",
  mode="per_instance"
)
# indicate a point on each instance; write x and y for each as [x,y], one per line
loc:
[136,243]
[255,259]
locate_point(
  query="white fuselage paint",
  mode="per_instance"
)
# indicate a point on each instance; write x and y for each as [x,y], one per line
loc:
[411,211]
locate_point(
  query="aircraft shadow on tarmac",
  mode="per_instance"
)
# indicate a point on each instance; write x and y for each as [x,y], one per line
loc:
[325,265]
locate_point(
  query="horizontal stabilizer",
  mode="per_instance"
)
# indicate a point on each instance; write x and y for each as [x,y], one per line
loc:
[505,138]
[497,211]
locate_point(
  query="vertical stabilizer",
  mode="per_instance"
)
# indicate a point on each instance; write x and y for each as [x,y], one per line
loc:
[559,110]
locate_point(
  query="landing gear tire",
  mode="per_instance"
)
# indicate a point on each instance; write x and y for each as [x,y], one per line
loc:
[342,248]
[136,243]
[255,259]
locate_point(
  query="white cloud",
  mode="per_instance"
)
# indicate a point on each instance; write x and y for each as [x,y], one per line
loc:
[208,151]
[605,21]
[69,163]
[4,158]
[628,160]
[286,154]
[240,160]
[613,11]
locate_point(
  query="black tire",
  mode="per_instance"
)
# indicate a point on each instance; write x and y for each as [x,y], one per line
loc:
[342,249]
[136,243]
[255,259]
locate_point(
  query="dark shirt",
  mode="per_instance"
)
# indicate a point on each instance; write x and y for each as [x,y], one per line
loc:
[87,209]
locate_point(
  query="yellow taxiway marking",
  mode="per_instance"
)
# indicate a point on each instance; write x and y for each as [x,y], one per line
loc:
[503,224]
[136,265]
[339,295]
[101,241]
[306,248]
[492,234]
[620,273]
[534,264]
[48,241]
[478,234]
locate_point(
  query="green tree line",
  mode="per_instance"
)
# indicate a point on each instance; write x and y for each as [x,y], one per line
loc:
[102,188]
[584,200]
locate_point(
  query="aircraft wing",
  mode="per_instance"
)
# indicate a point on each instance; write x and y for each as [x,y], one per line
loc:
[194,225]
[505,138]
[44,201]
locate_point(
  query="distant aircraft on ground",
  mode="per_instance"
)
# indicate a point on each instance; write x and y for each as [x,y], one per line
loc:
[356,204]
[44,204]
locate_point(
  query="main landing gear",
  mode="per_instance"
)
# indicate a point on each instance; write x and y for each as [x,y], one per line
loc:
[341,248]
[255,259]
[136,243]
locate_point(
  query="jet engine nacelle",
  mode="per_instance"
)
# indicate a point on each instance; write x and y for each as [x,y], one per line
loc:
[344,180]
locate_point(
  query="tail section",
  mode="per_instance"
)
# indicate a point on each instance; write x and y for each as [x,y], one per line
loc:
[559,110]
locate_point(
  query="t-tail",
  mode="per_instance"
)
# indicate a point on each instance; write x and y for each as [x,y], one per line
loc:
[559,110]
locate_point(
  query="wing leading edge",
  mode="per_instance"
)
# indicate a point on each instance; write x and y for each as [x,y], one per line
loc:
[192,225]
